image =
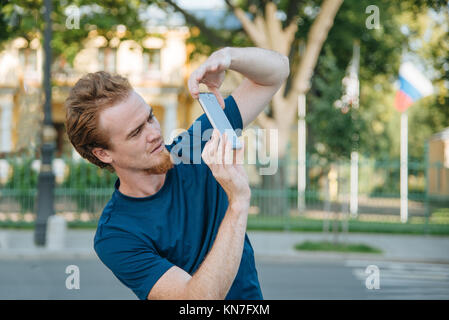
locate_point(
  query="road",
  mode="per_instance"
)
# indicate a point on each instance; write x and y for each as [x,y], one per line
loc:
[347,280]
[37,278]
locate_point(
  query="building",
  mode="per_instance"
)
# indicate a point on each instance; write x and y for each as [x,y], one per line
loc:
[158,70]
[438,175]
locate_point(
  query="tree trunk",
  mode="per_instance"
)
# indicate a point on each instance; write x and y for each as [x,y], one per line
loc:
[274,199]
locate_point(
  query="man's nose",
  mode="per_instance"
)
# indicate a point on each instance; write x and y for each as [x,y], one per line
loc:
[153,134]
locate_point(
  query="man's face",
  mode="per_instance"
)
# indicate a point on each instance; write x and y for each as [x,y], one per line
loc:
[136,143]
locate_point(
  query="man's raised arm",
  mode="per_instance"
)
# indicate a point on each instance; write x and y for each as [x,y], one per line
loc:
[264,72]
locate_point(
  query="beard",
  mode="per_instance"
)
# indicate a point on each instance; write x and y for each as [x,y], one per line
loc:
[163,164]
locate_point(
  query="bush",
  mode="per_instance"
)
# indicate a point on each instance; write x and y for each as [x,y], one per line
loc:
[88,185]
[23,183]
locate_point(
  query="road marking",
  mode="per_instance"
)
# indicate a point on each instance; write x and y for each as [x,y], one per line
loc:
[402,280]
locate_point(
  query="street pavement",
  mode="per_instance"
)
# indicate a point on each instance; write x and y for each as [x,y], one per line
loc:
[410,267]
[415,248]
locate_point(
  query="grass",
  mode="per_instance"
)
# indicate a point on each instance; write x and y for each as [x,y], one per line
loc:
[338,247]
[441,215]
[302,224]
[416,225]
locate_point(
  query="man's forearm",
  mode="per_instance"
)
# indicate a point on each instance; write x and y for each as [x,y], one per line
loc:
[214,277]
[262,66]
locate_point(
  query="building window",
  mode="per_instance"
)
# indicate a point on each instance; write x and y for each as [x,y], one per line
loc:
[152,60]
[28,59]
[107,58]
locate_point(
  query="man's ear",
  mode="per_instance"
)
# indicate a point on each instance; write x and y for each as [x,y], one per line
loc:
[102,155]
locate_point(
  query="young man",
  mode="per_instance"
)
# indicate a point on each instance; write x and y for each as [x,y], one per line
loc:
[175,231]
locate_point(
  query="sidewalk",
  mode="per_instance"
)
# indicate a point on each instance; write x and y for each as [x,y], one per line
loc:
[267,245]
[412,248]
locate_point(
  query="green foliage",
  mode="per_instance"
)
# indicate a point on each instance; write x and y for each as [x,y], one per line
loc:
[84,175]
[23,183]
[339,247]
[330,131]
[24,18]
[316,225]
[372,129]
[88,185]
[24,177]
[374,126]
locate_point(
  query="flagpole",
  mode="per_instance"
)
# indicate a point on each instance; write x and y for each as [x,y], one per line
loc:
[413,86]
[354,173]
[404,167]
[301,153]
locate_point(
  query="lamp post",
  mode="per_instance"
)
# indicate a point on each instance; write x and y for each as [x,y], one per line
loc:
[46,180]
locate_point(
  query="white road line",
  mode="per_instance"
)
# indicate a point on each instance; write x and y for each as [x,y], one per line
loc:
[399,280]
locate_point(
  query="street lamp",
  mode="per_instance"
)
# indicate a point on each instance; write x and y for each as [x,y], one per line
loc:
[46,180]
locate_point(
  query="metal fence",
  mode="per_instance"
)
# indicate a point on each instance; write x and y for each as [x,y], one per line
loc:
[82,190]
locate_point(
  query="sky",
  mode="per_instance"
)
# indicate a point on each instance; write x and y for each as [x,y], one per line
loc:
[201,4]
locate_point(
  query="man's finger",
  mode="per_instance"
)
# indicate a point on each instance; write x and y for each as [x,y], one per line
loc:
[200,73]
[229,153]
[216,141]
[210,149]
[193,87]
[240,153]
[194,82]
[220,150]
[212,67]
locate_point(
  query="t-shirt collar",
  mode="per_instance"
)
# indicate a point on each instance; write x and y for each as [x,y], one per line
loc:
[161,191]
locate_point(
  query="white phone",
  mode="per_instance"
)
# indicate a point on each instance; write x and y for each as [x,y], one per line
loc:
[218,118]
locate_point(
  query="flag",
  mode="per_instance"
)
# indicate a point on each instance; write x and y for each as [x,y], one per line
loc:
[413,86]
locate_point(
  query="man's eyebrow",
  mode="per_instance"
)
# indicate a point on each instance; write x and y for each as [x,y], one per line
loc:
[131,133]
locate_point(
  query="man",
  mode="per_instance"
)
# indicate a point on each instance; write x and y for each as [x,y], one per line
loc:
[175,231]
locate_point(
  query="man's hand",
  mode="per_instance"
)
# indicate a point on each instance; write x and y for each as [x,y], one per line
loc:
[214,277]
[226,165]
[211,73]
[265,71]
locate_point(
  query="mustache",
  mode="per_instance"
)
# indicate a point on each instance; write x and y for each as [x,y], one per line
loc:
[163,165]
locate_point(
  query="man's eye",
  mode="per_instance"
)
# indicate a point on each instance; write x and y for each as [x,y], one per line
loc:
[150,119]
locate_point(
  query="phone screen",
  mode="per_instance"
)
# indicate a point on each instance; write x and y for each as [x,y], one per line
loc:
[217,117]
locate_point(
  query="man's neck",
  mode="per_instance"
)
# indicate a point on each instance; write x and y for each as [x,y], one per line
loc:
[140,184]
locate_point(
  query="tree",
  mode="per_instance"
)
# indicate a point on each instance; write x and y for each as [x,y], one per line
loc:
[265,30]
[287,26]
[22,18]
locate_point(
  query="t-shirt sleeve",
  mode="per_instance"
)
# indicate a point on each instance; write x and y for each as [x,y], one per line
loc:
[188,146]
[136,264]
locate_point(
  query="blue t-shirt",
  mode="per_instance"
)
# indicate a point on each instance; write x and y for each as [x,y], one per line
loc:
[139,239]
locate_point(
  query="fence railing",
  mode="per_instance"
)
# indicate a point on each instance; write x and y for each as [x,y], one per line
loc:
[82,189]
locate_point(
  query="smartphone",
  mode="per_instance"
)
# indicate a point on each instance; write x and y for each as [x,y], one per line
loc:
[218,118]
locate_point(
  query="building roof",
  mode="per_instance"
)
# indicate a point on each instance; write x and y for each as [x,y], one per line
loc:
[442,135]
[217,18]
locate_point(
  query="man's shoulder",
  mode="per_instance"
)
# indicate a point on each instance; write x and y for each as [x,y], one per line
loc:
[108,225]
[111,234]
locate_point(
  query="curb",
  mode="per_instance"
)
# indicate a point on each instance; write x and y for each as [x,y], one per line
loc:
[331,257]
[44,253]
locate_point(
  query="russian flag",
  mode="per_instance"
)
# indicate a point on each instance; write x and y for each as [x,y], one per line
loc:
[413,86]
